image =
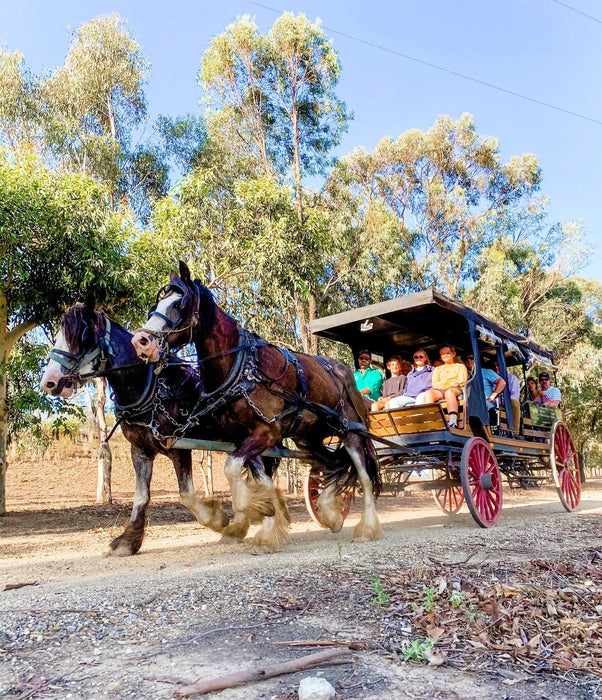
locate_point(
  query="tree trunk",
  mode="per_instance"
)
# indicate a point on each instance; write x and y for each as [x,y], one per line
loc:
[313,340]
[204,472]
[4,350]
[105,457]
[302,319]
[3,428]
[8,338]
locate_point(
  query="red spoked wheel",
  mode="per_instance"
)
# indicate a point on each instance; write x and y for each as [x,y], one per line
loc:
[313,486]
[565,466]
[481,482]
[449,500]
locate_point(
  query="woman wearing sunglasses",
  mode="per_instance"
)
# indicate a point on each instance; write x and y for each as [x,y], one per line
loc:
[418,382]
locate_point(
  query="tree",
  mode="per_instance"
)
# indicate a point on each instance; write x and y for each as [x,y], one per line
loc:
[580,378]
[450,190]
[19,101]
[58,239]
[95,101]
[274,102]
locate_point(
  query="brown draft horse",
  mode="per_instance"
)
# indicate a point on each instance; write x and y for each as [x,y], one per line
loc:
[151,409]
[262,394]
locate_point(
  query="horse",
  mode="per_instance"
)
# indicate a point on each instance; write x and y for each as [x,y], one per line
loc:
[153,410]
[262,394]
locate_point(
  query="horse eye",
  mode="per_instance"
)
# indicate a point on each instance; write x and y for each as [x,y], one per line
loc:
[177,304]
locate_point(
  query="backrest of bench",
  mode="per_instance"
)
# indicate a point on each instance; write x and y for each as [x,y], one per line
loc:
[412,419]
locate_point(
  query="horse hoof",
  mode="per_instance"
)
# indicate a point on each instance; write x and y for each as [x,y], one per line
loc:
[263,549]
[366,534]
[233,533]
[121,550]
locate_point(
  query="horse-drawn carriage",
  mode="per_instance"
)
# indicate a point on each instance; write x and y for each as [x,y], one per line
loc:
[250,395]
[417,448]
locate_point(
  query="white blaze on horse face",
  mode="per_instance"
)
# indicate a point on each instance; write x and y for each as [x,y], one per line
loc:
[54,372]
[155,323]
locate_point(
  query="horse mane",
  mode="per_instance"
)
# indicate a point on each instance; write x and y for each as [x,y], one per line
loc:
[206,306]
[78,316]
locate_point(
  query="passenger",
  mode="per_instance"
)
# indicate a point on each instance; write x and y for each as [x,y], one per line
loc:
[449,380]
[418,382]
[550,395]
[494,386]
[406,367]
[393,386]
[514,388]
[368,380]
[533,391]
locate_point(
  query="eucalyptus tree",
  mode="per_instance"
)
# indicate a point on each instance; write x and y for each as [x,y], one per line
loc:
[20,107]
[58,239]
[95,101]
[449,188]
[273,103]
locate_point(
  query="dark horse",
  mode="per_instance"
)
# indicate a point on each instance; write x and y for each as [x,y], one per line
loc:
[154,410]
[262,394]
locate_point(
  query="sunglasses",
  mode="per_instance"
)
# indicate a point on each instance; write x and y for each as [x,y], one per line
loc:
[470,357]
[364,357]
[419,357]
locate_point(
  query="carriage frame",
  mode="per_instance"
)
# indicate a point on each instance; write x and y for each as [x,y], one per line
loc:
[416,447]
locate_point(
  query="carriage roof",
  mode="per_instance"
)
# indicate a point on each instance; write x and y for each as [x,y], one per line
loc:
[426,319]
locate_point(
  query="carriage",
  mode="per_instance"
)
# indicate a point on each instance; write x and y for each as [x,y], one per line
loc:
[417,448]
[249,396]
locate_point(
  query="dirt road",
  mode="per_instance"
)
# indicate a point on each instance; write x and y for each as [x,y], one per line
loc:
[188,606]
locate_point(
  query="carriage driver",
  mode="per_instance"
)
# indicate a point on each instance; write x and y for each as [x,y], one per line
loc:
[368,380]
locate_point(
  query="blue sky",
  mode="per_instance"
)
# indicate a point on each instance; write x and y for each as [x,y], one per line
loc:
[539,48]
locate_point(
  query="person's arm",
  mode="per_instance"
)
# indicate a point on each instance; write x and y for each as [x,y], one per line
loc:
[375,381]
[552,397]
[498,387]
[437,382]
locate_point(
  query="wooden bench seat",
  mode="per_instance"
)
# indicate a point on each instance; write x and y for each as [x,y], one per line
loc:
[411,419]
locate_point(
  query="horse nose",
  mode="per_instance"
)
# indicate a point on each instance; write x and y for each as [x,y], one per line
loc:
[48,385]
[145,345]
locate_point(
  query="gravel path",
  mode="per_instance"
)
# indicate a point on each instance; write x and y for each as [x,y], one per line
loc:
[188,606]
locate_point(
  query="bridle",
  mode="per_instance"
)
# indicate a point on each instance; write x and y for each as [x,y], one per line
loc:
[71,363]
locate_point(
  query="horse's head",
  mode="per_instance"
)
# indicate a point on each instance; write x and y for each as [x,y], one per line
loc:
[82,345]
[183,306]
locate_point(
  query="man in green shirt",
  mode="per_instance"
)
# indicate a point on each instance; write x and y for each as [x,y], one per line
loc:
[368,380]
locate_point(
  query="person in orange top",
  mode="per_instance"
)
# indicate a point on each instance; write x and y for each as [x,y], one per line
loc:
[449,380]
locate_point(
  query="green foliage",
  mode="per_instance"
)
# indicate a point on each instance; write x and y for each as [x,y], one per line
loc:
[380,596]
[415,650]
[26,405]
[428,601]
[456,598]
[58,239]
[272,95]
[449,187]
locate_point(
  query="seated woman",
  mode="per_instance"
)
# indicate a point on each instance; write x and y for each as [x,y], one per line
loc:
[533,391]
[418,382]
[449,380]
[393,386]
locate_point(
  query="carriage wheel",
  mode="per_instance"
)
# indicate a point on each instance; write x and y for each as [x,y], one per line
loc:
[312,488]
[449,500]
[481,482]
[565,466]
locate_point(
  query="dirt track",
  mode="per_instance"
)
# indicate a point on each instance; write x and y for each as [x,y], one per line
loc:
[188,606]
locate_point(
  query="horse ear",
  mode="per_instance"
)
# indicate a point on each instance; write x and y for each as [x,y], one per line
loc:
[184,270]
[173,275]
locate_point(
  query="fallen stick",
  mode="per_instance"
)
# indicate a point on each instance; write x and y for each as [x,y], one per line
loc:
[355,646]
[201,686]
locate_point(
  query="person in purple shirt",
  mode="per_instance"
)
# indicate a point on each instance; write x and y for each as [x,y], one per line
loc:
[418,382]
